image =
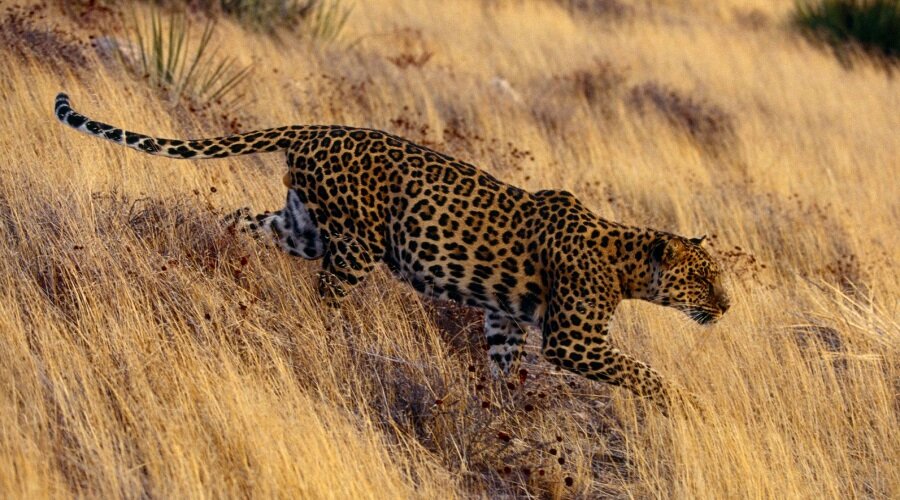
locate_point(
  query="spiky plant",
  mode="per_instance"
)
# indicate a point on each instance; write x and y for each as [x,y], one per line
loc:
[164,51]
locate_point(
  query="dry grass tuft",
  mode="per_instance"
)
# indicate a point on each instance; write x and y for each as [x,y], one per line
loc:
[20,33]
[705,122]
[615,9]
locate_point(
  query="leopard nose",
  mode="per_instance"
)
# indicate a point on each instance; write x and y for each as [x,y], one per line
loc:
[724,303]
[721,297]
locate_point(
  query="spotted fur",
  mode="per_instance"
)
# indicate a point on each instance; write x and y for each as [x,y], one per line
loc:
[357,197]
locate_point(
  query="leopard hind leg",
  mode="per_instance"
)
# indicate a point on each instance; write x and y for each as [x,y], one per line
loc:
[292,228]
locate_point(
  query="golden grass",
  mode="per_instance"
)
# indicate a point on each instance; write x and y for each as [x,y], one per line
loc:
[144,350]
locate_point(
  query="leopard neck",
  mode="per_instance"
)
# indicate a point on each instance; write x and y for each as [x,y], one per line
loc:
[631,255]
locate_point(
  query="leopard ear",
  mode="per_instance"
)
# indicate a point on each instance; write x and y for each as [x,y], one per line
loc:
[698,241]
[657,248]
[668,252]
[674,252]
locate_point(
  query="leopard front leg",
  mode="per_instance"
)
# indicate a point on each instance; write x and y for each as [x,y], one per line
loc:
[604,363]
[291,228]
[576,339]
[506,340]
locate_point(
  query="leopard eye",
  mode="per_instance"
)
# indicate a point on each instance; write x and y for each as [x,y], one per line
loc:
[703,281]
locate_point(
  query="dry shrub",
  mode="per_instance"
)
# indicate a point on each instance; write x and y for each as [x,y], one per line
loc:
[413,50]
[337,95]
[597,88]
[462,327]
[643,207]
[428,384]
[180,229]
[461,139]
[833,259]
[22,34]
[322,20]
[491,428]
[498,155]
[741,263]
[706,123]
[403,47]
[812,336]
[405,60]
[168,233]
[92,14]
[598,84]
[411,126]
[752,19]
[614,9]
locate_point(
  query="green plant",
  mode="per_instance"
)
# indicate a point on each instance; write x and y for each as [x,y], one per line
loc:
[265,14]
[873,25]
[321,19]
[327,19]
[164,54]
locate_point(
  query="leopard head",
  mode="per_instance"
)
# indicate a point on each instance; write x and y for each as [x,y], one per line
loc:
[687,278]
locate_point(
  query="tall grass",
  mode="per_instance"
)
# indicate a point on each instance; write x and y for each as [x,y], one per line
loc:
[147,351]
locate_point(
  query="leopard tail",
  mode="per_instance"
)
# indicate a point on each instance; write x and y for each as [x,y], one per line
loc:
[260,141]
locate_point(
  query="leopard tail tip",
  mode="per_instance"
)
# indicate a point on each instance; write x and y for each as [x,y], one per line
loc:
[62,106]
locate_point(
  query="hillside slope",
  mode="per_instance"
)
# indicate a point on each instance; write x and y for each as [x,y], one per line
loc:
[147,351]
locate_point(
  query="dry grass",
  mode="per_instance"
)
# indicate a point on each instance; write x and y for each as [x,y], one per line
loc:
[144,350]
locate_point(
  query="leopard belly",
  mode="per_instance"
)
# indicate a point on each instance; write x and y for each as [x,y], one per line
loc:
[437,268]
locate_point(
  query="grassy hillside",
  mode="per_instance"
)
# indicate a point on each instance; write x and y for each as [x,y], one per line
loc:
[145,350]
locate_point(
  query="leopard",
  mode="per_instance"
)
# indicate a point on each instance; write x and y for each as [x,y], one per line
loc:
[357,197]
